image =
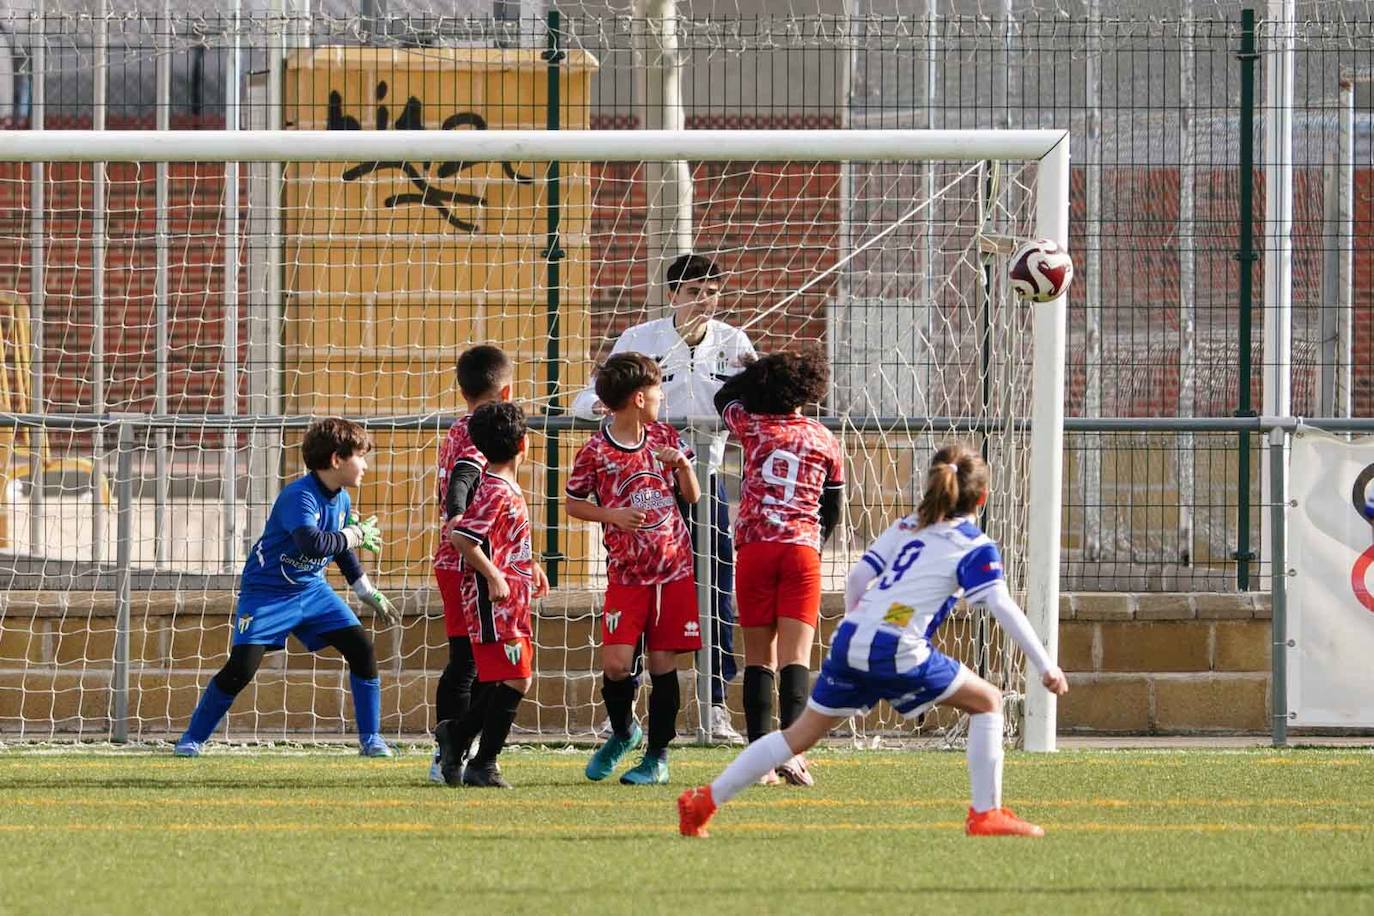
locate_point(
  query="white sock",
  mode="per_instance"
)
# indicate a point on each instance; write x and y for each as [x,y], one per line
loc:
[768,753]
[985,760]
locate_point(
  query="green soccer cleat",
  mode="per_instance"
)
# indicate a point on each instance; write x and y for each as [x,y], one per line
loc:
[650,771]
[604,761]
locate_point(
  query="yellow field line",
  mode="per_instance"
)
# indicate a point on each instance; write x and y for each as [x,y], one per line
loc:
[465,800]
[725,828]
[222,764]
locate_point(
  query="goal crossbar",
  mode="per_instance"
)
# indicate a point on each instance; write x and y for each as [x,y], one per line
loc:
[523,145]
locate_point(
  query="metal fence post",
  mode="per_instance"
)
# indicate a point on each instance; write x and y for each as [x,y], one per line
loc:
[553,261]
[124,551]
[1278,579]
[1247,257]
[705,552]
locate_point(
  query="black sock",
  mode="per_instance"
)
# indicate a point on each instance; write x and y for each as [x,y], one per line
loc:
[664,703]
[455,691]
[619,697]
[758,701]
[465,729]
[502,702]
[793,681]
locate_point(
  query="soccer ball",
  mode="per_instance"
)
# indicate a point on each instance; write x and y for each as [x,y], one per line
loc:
[1040,270]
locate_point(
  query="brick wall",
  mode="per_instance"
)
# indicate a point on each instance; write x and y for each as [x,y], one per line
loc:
[1165,663]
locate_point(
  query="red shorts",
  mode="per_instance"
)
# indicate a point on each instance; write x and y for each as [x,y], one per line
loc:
[775,580]
[451,591]
[509,660]
[667,613]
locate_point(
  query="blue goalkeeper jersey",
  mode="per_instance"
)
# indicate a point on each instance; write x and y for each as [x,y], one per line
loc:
[275,564]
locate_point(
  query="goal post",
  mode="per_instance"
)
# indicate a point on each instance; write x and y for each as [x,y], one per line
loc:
[952,354]
[1047,451]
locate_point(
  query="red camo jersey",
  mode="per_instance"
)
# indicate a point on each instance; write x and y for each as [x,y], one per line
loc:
[457,446]
[498,522]
[789,460]
[615,475]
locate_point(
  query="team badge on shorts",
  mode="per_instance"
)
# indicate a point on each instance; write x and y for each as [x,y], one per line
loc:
[513,651]
[612,620]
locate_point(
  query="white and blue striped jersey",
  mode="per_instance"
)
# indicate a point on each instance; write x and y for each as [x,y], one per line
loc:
[923,571]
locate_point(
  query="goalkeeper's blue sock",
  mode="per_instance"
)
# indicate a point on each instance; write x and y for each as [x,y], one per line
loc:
[214,703]
[367,704]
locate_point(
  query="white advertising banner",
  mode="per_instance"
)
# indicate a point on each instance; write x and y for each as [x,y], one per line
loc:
[1331,590]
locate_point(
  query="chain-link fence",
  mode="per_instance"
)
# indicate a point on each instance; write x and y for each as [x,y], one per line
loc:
[1151,94]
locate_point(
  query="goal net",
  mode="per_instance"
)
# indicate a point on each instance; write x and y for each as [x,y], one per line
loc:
[202,295]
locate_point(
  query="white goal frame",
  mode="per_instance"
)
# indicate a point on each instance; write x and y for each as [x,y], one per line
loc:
[1050,148]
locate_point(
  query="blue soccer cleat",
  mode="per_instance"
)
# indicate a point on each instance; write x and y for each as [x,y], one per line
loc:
[373,746]
[603,762]
[650,771]
[187,748]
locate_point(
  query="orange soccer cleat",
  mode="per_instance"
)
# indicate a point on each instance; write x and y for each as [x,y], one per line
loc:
[694,809]
[999,822]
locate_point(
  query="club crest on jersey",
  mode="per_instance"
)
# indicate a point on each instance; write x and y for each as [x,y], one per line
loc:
[612,620]
[899,614]
[513,649]
[245,621]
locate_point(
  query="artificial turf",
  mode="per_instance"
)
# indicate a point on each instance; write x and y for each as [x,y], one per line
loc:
[327,832]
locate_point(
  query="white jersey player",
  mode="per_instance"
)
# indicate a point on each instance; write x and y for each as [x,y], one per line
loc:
[695,351]
[897,596]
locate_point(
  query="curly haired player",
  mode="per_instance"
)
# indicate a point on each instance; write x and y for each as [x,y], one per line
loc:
[789,503]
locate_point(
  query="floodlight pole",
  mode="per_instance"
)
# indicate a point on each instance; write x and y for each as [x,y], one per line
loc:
[38,208]
[1278,228]
[99,248]
[161,291]
[658,84]
[230,374]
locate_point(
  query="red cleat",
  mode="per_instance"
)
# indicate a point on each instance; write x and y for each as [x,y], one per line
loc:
[694,809]
[999,822]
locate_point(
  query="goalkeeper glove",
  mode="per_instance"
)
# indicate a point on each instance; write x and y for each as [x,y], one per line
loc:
[381,605]
[365,534]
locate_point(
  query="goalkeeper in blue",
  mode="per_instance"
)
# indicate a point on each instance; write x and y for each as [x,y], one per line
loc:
[898,594]
[283,589]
